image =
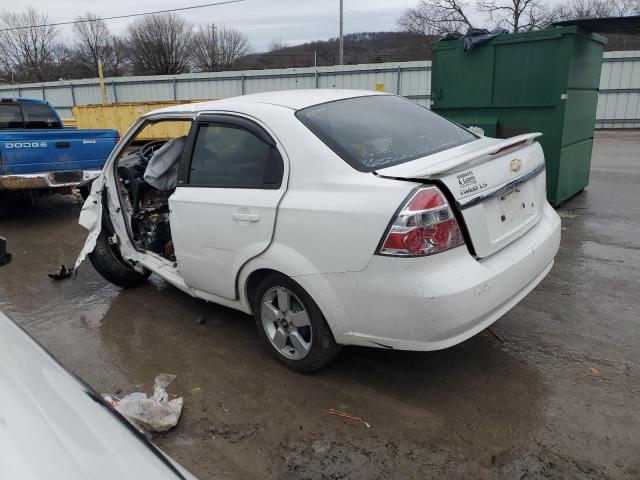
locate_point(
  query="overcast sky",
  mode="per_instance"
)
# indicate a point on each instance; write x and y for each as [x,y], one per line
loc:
[294,21]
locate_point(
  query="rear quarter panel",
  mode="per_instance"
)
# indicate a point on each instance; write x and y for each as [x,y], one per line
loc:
[331,217]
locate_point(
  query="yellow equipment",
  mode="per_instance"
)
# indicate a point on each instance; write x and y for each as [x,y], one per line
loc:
[122,115]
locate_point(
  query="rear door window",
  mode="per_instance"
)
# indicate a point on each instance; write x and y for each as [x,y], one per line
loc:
[10,116]
[229,156]
[378,131]
[37,115]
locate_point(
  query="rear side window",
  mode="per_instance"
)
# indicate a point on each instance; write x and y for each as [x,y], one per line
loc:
[228,156]
[379,131]
[10,116]
[37,115]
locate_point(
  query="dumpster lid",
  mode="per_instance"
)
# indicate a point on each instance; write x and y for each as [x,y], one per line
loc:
[488,124]
[605,25]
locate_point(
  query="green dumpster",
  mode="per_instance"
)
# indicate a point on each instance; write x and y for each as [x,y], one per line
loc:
[544,81]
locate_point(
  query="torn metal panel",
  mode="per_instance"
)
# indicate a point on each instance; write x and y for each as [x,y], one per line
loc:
[91,219]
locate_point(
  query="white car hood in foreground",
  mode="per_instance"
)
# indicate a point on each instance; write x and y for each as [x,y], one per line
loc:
[54,427]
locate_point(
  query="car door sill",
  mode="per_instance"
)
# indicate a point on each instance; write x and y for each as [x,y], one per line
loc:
[166,269]
[209,297]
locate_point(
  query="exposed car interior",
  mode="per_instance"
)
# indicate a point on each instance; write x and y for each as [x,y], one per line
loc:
[147,175]
[224,155]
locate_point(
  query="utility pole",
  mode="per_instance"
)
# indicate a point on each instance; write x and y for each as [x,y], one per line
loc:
[341,35]
[214,43]
[103,89]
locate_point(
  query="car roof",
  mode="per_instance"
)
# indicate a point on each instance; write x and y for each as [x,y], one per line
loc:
[292,99]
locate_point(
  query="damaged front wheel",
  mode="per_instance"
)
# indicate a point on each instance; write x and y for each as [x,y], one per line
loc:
[106,259]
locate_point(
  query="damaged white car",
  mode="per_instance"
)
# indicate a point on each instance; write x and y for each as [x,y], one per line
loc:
[335,217]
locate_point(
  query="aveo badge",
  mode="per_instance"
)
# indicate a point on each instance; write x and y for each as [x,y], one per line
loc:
[515,165]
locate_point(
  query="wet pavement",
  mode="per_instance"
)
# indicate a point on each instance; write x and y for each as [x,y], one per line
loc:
[560,398]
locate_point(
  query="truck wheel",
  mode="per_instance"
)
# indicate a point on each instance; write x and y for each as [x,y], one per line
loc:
[106,259]
[291,325]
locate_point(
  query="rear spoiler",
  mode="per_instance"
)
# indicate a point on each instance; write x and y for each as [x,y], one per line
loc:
[476,156]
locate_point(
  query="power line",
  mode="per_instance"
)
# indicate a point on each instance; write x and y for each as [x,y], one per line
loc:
[71,22]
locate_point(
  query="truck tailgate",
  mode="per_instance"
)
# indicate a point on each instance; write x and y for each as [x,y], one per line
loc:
[36,151]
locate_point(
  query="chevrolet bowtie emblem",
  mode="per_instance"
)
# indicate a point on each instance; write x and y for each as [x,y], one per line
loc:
[515,165]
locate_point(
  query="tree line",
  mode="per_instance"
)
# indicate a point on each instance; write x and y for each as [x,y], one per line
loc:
[32,51]
[438,17]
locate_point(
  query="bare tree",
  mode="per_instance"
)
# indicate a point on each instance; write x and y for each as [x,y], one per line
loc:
[515,15]
[436,17]
[95,42]
[276,45]
[119,56]
[206,50]
[574,9]
[27,47]
[233,45]
[547,16]
[217,48]
[598,8]
[624,8]
[160,44]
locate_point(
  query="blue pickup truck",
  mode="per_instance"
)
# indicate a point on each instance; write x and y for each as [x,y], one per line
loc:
[37,153]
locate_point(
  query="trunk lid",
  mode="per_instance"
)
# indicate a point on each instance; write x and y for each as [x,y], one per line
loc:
[499,186]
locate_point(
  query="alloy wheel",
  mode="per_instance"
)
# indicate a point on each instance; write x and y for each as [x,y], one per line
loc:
[286,323]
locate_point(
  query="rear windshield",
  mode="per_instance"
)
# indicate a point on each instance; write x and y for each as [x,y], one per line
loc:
[38,115]
[10,116]
[28,115]
[378,131]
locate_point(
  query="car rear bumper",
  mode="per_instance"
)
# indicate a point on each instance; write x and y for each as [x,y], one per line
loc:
[32,181]
[431,303]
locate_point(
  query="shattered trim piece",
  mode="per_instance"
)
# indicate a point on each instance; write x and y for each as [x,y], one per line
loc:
[91,219]
[62,273]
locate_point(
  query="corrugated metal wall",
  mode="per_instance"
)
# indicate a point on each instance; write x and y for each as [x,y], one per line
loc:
[619,99]
[411,79]
[618,104]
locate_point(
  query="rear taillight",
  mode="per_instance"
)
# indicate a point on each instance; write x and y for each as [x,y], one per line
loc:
[116,140]
[425,226]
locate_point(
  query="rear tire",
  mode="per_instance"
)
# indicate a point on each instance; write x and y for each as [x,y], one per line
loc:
[291,326]
[106,259]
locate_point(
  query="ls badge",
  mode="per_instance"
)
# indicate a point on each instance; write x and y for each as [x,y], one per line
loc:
[515,165]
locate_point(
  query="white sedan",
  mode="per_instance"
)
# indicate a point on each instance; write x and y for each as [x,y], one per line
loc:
[335,217]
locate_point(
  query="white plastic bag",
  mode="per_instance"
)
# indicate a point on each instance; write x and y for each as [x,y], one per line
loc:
[153,414]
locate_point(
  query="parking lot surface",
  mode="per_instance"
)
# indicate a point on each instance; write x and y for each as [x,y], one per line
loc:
[559,397]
